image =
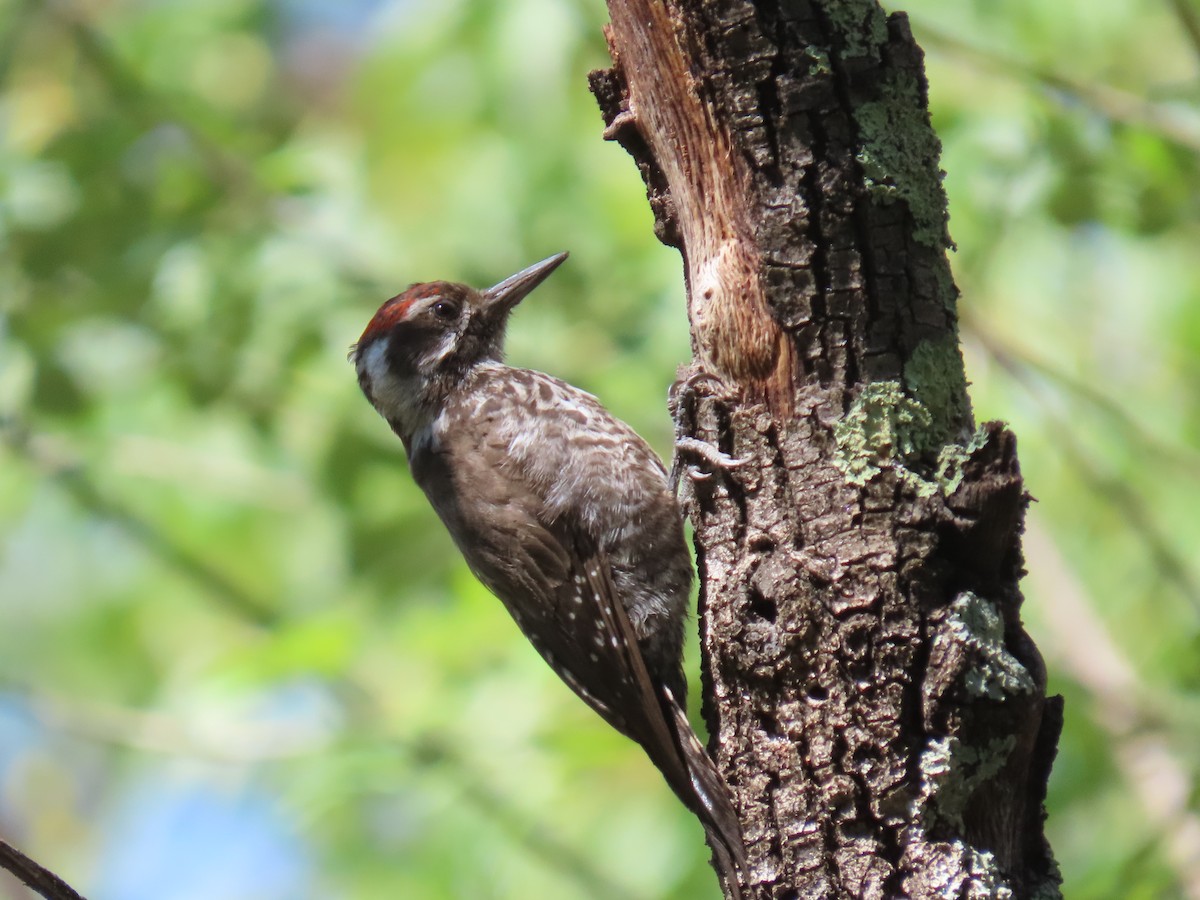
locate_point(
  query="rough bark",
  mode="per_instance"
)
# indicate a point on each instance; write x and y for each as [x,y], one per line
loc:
[872,696]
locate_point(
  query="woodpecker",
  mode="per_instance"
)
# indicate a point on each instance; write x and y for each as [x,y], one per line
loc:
[560,509]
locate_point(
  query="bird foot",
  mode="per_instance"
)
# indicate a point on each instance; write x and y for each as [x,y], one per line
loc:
[692,384]
[717,459]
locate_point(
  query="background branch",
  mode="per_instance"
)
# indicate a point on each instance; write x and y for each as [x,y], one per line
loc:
[34,875]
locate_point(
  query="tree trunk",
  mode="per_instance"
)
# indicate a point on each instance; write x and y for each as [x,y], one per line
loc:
[872,697]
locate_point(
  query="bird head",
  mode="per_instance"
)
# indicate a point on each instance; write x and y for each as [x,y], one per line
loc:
[422,342]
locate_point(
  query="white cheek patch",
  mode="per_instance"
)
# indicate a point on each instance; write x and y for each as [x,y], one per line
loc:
[374,360]
[373,367]
[387,392]
[396,398]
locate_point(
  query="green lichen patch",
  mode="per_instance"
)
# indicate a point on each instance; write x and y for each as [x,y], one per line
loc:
[951,773]
[934,373]
[818,60]
[986,881]
[952,458]
[956,869]
[996,673]
[902,426]
[944,286]
[860,24]
[883,427]
[899,155]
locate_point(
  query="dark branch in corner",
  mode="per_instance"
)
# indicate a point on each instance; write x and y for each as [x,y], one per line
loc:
[35,876]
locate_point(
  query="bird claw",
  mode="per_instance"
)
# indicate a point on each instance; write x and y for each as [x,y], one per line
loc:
[715,457]
[718,461]
[690,385]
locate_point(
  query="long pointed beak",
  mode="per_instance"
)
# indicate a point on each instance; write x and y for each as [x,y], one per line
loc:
[512,290]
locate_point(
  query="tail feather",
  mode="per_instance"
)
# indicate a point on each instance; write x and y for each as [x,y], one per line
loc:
[648,711]
[709,799]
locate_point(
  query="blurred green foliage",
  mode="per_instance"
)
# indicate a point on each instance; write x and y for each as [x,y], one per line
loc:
[216,575]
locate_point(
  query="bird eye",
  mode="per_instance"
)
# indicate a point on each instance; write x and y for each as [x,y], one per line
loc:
[445,310]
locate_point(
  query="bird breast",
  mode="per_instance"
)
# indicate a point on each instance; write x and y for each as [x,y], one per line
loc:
[515,452]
